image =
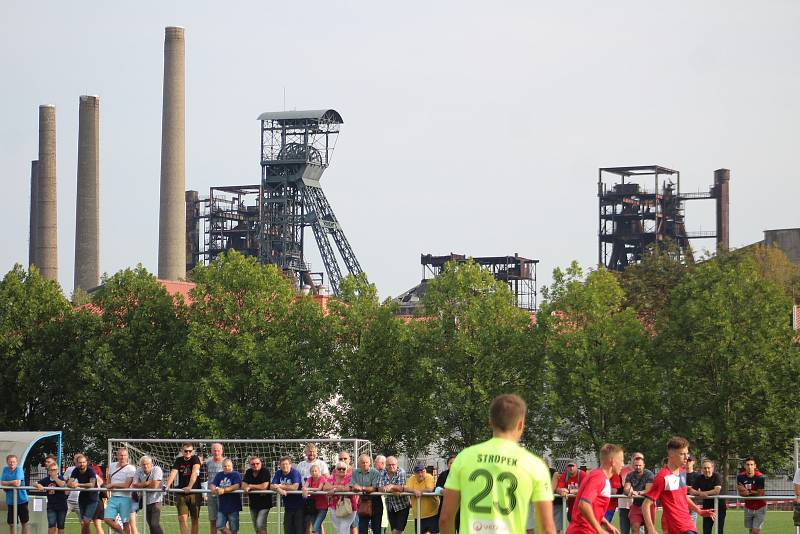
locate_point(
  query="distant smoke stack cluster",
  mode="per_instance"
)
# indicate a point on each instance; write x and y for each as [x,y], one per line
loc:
[43,235]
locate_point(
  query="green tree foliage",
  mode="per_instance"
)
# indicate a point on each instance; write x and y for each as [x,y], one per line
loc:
[259,355]
[728,363]
[598,354]
[479,342]
[386,384]
[136,378]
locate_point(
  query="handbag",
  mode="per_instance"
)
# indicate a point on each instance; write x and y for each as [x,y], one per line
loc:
[344,507]
[365,507]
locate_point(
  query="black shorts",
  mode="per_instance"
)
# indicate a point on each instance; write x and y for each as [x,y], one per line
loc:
[22,513]
[428,524]
[398,520]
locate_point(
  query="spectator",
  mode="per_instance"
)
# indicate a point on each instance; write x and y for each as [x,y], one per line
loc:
[99,512]
[393,480]
[121,476]
[56,500]
[224,484]
[213,466]
[691,477]
[624,503]
[316,481]
[380,466]
[312,458]
[366,479]
[669,485]
[150,476]
[568,484]
[257,478]
[707,485]
[617,483]
[796,483]
[589,513]
[288,479]
[637,483]
[344,456]
[420,483]
[187,469]
[84,477]
[440,481]
[14,477]
[751,484]
[72,498]
[340,480]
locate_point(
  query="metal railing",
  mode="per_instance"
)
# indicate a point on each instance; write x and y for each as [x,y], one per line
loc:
[179,491]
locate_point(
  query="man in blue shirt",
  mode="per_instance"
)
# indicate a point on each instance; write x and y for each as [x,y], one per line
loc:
[286,479]
[230,504]
[14,476]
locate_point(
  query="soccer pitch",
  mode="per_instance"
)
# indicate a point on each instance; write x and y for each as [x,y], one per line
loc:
[778,522]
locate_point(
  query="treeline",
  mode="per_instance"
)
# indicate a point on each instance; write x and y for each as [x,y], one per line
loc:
[704,351]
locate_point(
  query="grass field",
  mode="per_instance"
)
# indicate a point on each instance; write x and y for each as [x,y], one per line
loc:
[778,522]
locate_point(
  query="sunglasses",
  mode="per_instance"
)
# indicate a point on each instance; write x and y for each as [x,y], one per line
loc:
[188,450]
[341,469]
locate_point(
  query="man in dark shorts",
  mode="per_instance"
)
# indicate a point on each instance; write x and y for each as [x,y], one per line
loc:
[14,476]
[257,478]
[187,468]
[56,500]
[84,477]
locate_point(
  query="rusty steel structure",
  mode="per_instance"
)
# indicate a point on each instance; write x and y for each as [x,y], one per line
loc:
[642,207]
[267,220]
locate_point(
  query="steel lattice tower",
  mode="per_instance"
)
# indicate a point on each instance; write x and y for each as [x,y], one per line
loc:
[296,148]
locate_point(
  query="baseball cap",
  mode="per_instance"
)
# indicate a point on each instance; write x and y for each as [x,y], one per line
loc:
[572,462]
[419,468]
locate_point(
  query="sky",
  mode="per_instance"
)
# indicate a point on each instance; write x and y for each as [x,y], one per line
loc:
[469,127]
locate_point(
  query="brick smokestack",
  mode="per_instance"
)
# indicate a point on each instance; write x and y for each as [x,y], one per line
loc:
[87,208]
[33,229]
[46,201]
[172,214]
[722,179]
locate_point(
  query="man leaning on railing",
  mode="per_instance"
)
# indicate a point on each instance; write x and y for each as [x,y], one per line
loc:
[14,477]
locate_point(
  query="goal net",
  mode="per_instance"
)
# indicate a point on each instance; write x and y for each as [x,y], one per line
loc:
[239,451]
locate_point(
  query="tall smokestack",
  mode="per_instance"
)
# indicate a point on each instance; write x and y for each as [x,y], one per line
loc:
[34,225]
[722,179]
[172,217]
[47,207]
[87,208]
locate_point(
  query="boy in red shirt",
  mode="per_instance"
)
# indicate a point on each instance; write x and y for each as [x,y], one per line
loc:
[588,513]
[670,486]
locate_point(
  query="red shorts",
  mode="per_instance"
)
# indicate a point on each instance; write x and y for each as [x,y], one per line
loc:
[635,515]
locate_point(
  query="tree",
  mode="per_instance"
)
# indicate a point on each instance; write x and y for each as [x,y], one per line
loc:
[137,377]
[598,353]
[260,355]
[385,383]
[479,342]
[727,362]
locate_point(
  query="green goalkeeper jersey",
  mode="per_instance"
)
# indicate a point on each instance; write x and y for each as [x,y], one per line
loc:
[497,479]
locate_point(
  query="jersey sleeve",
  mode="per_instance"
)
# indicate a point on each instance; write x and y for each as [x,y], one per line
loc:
[657,489]
[454,478]
[759,483]
[592,488]
[562,481]
[542,487]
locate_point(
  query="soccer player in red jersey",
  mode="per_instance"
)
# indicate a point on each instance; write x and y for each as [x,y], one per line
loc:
[670,486]
[588,514]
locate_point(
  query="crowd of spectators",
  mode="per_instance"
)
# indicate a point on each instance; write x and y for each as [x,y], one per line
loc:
[305,511]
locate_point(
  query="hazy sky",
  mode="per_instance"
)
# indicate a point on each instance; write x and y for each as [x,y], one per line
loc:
[471,127]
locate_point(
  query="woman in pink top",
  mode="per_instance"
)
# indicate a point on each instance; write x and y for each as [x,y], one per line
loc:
[316,482]
[339,480]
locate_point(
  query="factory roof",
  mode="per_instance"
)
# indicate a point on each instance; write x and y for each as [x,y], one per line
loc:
[313,114]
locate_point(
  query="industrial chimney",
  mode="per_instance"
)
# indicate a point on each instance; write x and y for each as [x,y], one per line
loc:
[172,218]
[722,179]
[46,205]
[87,208]
[33,229]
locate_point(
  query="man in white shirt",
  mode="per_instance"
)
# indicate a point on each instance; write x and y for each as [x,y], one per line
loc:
[120,475]
[312,458]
